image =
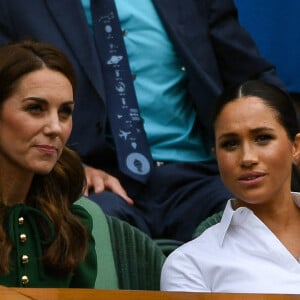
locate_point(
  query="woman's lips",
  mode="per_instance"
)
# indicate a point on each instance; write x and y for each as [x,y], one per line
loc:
[251,178]
[47,149]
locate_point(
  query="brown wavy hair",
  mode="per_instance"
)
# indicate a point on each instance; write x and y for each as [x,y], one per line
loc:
[54,193]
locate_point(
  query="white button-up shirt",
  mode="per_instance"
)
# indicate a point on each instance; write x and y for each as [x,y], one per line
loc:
[238,255]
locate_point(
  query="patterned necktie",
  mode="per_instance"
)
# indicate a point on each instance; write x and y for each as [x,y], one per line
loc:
[127,129]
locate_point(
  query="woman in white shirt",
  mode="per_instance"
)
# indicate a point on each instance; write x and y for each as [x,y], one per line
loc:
[256,246]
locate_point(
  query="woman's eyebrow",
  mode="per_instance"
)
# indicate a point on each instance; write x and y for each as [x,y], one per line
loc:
[45,101]
[252,131]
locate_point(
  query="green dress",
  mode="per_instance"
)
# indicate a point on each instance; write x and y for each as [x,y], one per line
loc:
[26,268]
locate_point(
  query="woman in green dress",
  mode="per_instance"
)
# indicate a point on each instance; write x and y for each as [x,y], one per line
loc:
[45,239]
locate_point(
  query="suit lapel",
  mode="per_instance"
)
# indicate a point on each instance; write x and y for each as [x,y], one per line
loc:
[169,11]
[183,27]
[69,17]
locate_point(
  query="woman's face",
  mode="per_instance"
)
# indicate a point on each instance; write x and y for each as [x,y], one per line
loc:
[253,151]
[35,122]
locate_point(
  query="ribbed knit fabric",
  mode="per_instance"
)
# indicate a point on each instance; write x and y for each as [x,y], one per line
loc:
[138,259]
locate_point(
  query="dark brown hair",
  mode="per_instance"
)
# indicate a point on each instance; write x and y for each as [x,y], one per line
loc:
[273,97]
[54,193]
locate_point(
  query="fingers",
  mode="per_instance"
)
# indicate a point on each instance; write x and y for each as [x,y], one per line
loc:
[99,181]
[113,184]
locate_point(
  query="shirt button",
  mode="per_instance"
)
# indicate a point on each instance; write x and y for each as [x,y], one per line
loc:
[21,221]
[125,32]
[25,280]
[183,68]
[23,237]
[25,259]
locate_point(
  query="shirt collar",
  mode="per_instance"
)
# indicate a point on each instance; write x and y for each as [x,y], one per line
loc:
[296,198]
[231,216]
[226,220]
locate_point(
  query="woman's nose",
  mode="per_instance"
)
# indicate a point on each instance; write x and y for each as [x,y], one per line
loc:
[53,125]
[249,156]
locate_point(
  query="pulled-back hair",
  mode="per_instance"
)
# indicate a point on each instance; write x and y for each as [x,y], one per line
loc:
[54,193]
[275,98]
[271,95]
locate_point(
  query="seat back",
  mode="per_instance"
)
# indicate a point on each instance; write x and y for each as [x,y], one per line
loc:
[127,258]
[138,258]
[210,221]
[168,245]
[107,275]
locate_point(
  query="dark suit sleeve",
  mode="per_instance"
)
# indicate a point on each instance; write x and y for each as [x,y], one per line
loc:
[6,33]
[236,52]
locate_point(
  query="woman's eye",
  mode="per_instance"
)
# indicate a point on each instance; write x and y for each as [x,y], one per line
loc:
[34,108]
[229,145]
[263,138]
[66,112]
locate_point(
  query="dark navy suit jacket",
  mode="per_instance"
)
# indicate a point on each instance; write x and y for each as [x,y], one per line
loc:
[214,49]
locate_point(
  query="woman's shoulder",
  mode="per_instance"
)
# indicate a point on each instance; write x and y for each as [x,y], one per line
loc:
[185,269]
[83,214]
[198,248]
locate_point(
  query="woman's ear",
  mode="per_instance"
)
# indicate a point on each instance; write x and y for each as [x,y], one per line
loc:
[296,150]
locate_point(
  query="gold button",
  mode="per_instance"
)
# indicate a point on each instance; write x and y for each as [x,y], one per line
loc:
[25,280]
[23,237]
[21,221]
[25,259]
